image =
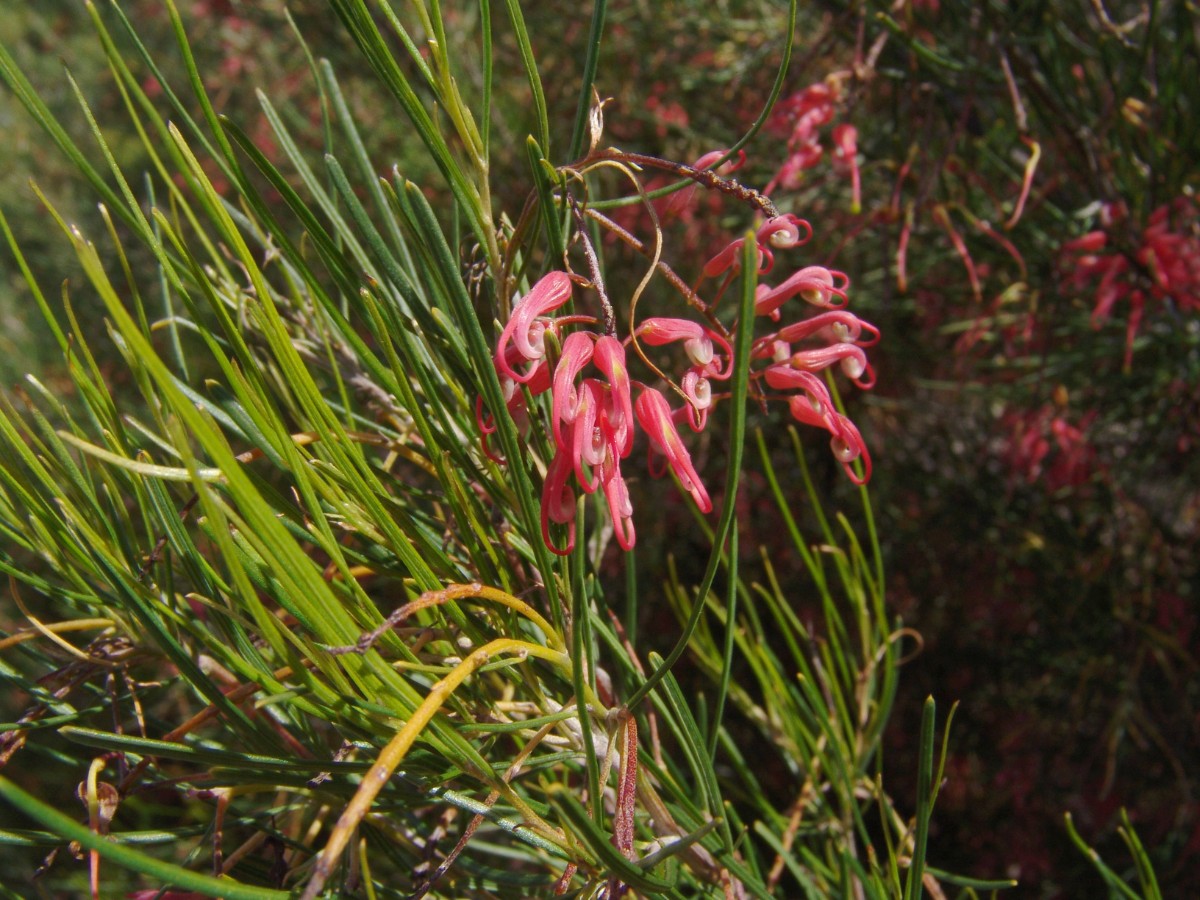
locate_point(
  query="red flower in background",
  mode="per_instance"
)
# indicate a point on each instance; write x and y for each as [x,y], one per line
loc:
[1042,445]
[1163,265]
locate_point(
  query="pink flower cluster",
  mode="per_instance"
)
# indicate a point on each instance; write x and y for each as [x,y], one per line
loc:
[1042,445]
[1164,264]
[801,116]
[596,407]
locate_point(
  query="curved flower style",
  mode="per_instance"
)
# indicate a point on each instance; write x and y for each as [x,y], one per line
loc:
[730,260]
[780,233]
[815,285]
[851,359]
[838,326]
[814,406]
[697,343]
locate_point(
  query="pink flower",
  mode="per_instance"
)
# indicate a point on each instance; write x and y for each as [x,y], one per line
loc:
[730,259]
[779,233]
[697,343]
[654,414]
[838,325]
[526,327]
[784,232]
[576,354]
[698,391]
[620,508]
[814,406]
[851,359]
[558,502]
[609,357]
[815,284]
[845,140]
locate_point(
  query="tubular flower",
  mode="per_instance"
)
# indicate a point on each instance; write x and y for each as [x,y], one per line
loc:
[845,142]
[526,328]
[698,391]
[779,233]
[697,343]
[558,502]
[609,357]
[815,284]
[851,359]
[654,415]
[620,508]
[837,326]
[814,406]
[784,232]
[576,354]
[730,259]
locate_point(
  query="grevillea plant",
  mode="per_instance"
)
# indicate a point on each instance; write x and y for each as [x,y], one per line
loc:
[318,598]
[593,421]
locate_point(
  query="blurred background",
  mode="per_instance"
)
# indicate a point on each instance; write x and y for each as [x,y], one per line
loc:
[1013,199]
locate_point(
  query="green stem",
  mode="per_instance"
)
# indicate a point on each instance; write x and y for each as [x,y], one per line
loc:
[590,61]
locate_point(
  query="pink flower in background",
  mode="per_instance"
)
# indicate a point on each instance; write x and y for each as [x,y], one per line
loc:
[845,154]
[1043,446]
[1164,267]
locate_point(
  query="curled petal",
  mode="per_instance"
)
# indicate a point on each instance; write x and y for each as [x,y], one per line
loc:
[814,284]
[814,406]
[843,326]
[576,354]
[620,508]
[609,356]
[847,445]
[730,258]
[697,342]
[558,502]
[698,391]
[524,332]
[851,358]
[784,231]
[772,348]
[654,414]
